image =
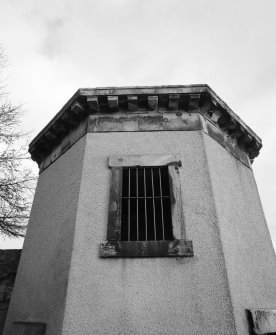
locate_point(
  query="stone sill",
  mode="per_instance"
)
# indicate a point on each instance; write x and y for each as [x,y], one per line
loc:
[137,249]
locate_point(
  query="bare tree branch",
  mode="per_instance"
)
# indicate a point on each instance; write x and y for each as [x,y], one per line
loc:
[16,181]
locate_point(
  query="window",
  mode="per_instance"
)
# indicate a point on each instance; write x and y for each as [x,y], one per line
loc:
[146,204]
[145,208]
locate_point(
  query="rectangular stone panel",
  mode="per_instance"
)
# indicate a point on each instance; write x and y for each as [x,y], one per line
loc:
[263,320]
[144,160]
[181,121]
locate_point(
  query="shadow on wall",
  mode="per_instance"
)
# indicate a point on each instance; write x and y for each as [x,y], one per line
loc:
[9,260]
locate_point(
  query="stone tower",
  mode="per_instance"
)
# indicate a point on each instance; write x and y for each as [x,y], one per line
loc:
[146,220]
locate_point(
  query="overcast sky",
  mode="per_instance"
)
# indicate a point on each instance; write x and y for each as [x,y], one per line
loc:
[56,47]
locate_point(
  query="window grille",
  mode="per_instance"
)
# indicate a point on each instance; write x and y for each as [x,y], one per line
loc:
[145,216]
[146,204]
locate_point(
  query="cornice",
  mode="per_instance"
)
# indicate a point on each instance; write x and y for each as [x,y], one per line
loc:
[157,103]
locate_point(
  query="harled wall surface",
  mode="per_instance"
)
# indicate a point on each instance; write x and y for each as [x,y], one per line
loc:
[41,284]
[150,295]
[247,247]
[64,283]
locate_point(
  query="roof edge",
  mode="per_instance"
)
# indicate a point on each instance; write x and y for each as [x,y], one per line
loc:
[90,101]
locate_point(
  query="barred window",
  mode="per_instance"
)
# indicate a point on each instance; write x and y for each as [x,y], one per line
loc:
[146,204]
[145,216]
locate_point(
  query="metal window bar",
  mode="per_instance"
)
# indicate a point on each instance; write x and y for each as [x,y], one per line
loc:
[162,215]
[137,205]
[128,220]
[153,203]
[144,181]
[145,193]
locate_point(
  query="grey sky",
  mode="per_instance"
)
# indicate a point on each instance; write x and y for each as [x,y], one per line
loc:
[55,47]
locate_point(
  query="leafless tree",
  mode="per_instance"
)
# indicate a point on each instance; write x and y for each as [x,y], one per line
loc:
[16,179]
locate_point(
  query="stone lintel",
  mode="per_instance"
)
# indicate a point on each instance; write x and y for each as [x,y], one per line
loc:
[161,108]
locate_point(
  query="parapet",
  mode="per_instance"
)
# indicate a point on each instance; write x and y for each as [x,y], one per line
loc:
[140,109]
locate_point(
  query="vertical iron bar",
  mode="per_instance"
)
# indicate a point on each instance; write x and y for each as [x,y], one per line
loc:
[161,194]
[145,192]
[128,219]
[137,205]
[153,203]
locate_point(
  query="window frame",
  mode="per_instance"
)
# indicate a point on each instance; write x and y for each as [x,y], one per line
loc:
[114,246]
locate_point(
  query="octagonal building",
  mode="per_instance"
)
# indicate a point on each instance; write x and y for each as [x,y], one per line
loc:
[146,220]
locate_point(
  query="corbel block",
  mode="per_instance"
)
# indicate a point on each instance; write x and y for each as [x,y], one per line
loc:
[226,122]
[206,107]
[194,102]
[113,102]
[245,140]
[67,119]
[51,136]
[153,102]
[174,101]
[77,109]
[59,128]
[132,102]
[93,104]
[237,132]
[216,114]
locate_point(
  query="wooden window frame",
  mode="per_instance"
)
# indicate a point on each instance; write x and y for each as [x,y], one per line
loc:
[114,247]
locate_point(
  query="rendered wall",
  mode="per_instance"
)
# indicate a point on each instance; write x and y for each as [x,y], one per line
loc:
[41,283]
[247,247]
[63,282]
[155,295]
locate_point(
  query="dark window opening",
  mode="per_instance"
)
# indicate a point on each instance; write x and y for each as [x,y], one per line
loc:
[146,204]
